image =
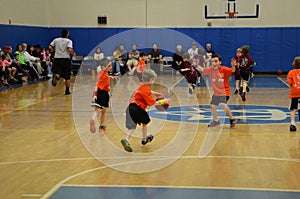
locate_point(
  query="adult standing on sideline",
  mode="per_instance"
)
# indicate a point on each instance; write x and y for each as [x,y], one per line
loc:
[178,59]
[63,47]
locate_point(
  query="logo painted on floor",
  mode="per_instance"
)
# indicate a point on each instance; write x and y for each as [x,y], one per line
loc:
[246,114]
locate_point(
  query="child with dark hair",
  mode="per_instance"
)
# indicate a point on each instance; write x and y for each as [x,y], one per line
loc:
[237,74]
[245,64]
[293,81]
[218,75]
[190,72]
[3,73]
[11,69]
[141,66]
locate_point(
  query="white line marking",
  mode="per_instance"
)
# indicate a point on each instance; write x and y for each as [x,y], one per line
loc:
[285,83]
[58,185]
[31,195]
[183,187]
[156,157]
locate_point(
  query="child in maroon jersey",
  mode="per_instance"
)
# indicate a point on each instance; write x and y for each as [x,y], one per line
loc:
[245,63]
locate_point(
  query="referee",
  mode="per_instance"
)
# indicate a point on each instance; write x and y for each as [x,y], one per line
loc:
[61,68]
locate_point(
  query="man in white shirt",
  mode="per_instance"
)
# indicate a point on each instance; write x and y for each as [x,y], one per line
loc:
[63,48]
[193,51]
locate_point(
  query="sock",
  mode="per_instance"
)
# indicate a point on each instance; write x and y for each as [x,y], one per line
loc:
[67,88]
[293,122]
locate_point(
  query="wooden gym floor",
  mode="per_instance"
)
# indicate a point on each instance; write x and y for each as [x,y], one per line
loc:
[46,147]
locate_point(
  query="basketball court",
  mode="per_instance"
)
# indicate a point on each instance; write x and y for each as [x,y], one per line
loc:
[47,150]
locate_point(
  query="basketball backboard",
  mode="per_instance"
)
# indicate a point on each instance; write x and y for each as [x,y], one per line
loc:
[221,9]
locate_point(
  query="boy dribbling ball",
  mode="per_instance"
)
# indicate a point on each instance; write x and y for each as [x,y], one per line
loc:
[293,81]
[136,111]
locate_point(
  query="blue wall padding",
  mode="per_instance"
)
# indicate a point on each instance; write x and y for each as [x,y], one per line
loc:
[271,48]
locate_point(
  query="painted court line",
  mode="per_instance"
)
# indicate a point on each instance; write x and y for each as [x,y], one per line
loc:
[56,187]
[31,195]
[176,187]
[156,157]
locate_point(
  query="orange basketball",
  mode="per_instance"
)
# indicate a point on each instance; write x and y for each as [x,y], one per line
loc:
[279,72]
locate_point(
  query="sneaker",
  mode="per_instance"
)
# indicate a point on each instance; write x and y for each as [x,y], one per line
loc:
[214,124]
[190,90]
[149,138]
[67,92]
[198,84]
[117,74]
[241,90]
[236,91]
[126,145]
[243,95]
[92,126]
[233,123]
[248,89]
[102,129]
[54,80]
[293,127]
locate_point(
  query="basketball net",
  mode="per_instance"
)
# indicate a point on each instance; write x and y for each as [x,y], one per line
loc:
[231,18]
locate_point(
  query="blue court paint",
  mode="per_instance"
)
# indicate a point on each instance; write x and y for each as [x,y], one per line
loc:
[78,192]
[245,114]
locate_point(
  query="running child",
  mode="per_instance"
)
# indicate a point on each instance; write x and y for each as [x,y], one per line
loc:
[136,111]
[245,65]
[191,72]
[219,80]
[140,67]
[293,81]
[101,95]
[237,75]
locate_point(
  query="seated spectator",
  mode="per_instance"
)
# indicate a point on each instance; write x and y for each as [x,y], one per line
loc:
[193,51]
[133,59]
[4,73]
[22,74]
[98,55]
[24,64]
[155,54]
[117,62]
[178,59]
[33,61]
[11,69]
[7,50]
[208,54]
[124,59]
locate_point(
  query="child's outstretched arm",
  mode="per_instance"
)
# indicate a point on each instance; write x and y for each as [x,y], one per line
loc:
[156,94]
[200,68]
[185,69]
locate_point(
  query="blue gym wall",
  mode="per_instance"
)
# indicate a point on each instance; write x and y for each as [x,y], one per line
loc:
[271,48]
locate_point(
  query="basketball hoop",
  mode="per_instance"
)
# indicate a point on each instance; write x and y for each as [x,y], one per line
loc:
[231,14]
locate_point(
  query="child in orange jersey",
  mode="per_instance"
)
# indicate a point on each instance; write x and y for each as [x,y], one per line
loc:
[218,75]
[136,111]
[293,79]
[140,67]
[101,95]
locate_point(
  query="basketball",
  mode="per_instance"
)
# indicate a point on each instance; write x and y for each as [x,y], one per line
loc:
[162,107]
[279,72]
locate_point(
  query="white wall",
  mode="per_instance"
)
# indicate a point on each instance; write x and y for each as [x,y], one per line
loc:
[24,12]
[136,13]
